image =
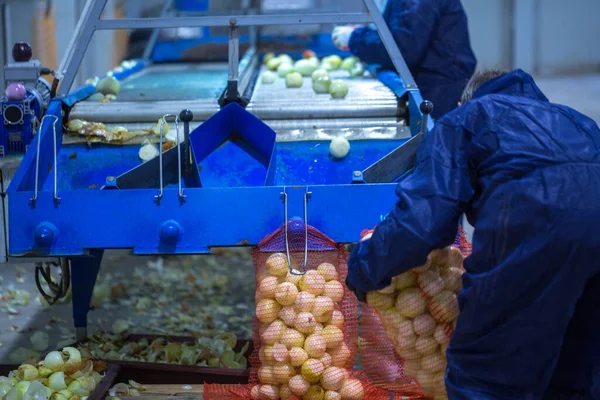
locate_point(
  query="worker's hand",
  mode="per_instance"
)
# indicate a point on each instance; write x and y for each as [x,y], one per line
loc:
[362,297]
[341,36]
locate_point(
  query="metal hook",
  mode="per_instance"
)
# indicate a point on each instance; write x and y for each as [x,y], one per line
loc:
[163,121]
[37,158]
[287,244]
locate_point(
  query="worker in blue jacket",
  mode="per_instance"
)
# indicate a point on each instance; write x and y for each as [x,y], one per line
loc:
[526,172]
[432,36]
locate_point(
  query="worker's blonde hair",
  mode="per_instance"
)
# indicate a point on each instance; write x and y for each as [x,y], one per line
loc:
[478,79]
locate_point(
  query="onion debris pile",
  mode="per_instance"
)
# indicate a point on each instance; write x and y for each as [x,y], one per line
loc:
[302,348]
[62,375]
[419,312]
[217,352]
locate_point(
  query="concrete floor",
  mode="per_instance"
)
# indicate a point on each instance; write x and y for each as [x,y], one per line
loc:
[217,292]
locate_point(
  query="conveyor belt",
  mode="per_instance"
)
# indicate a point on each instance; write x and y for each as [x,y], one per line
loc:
[367,98]
[158,90]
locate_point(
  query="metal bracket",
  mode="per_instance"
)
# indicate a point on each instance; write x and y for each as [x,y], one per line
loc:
[307,195]
[37,159]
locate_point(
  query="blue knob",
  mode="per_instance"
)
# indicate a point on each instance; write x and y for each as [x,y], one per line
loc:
[170,231]
[45,234]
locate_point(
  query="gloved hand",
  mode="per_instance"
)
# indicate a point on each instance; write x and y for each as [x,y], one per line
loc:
[341,36]
[362,297]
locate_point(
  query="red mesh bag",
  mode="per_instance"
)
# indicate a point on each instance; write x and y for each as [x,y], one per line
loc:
[306,324]
[406,327]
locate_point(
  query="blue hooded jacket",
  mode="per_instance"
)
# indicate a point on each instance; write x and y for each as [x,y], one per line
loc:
[526,173]
[433,38]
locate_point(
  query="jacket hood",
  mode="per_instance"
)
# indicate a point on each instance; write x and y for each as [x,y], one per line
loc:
[516,83]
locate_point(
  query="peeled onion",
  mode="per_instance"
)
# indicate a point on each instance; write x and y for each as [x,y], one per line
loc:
[430,283]
[444,307]
[312,282]
[286,59]
[405,280]
[267,287]
[333,336]
[147,152]
[108,85]
[314,393]
[268,57]
[268,77]
[332,395]
[340,356]
[339,147]
[267,310]
[334,290]
[380,301]
[283,372]
[298,385]
[326,360]
[298,356]
[440,335]
[410,303]
[315,346]
[338,89]
[333,377]
[424,325]
[265,375]
[322,85]
[268,392]
[284,69]
[274,63]
[323,306]
[434,362]
[293,80]
[304,67]
[334,60]
[452,278]
[312,370]
[273,332]
[319,73]
[328,271]
[292,338]
[305,301]
[277,264]
[348,63]
[286,293]
[352,389]
[426,345]
[287,315]
[305,322]
[337,319]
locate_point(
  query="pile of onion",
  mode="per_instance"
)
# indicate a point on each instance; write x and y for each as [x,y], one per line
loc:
[302,354]
[62,375]
[419,312]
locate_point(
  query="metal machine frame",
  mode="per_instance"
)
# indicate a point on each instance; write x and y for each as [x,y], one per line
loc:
[180,224]
[90,21]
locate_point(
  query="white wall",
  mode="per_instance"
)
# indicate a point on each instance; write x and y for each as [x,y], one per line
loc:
[567,36]
[490,30]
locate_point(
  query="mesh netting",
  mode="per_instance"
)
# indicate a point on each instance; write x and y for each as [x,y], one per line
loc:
[306,326]
[406,327]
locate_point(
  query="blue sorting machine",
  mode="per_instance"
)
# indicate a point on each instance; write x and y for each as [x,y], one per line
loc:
[239,169]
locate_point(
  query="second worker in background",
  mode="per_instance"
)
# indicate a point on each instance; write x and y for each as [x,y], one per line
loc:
[434,40]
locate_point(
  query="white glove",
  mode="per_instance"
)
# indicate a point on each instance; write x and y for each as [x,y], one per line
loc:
[341,36]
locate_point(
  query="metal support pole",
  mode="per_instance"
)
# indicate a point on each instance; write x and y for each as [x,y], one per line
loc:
[390,45]
[84,271]
[234,61]
[155,32]
[79,43]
